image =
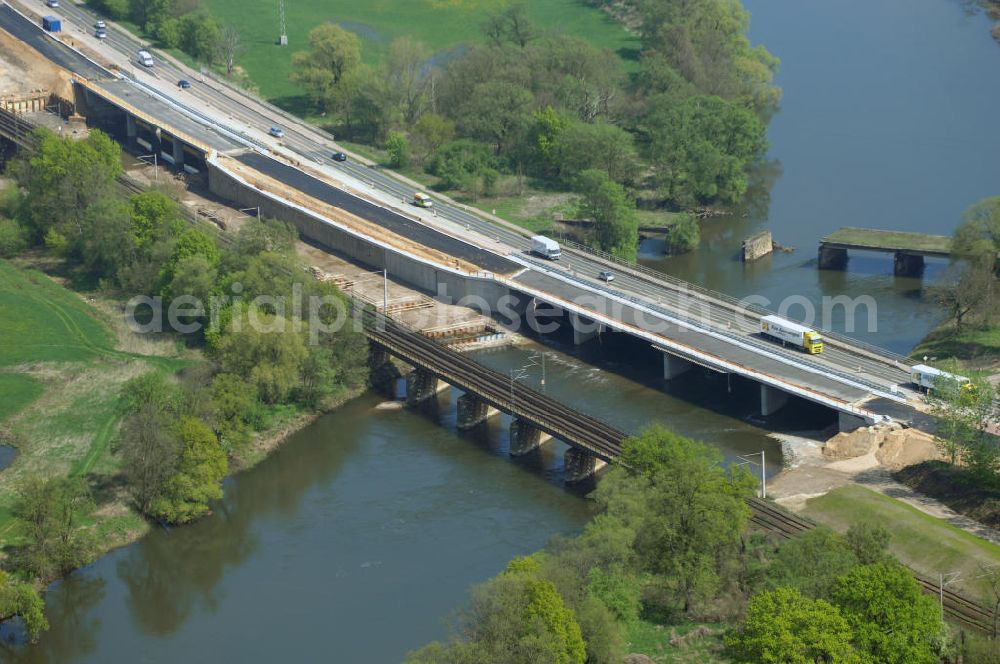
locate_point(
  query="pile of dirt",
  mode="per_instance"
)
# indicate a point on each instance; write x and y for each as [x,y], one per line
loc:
[892,445]
[954,487]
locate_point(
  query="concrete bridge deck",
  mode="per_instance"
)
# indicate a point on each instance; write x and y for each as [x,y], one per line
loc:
[909,249]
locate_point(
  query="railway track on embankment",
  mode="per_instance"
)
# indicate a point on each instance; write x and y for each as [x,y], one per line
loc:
[956,606]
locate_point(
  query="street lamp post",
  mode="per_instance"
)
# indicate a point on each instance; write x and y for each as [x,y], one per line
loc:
[156,170]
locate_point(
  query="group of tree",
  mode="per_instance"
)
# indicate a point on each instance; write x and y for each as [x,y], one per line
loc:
[971,293]
[670,544]
[265,356]
[183,24]
[684,128]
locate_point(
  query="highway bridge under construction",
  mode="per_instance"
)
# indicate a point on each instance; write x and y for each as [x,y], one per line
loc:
[218,134]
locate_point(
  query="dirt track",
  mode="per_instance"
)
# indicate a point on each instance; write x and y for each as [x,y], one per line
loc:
[22,70]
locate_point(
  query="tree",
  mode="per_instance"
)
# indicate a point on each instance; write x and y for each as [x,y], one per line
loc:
[267,353]
[107,244]
[964,413]
[892,620]
[13,238]
[200,35]
[783,627]
[18,598]
[811,563]
[154,215]
[149,449]
[684,234]
[869,542]
[63,177]
[192,243]
[333,60]
[398,148]
[462,164]
[694,510]
[978,236]
[510,25]
[701,147]
[194,277]
[147,443]
[969,292]
[582,146]
[407,76]
[198,476]
[228,47]
[498,112]
[430,132]
[616,227]
[236,408]
[515,619]
[52,511]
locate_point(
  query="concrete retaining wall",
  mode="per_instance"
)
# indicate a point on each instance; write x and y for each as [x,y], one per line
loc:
[447,285]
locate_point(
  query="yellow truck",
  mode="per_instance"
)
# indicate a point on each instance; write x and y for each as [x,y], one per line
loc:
[788,332]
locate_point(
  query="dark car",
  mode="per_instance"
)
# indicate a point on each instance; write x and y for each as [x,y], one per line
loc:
[339,156]
[606,276]
[183,84]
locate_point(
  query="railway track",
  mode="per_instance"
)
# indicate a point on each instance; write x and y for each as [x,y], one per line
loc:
[955,606]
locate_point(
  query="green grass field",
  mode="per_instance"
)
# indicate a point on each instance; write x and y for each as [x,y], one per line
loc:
[923,542]
[16,392]
[45,322]
[443,25]
[979,346]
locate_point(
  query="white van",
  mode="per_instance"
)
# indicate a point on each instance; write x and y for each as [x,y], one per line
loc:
[144,58]
[546,248]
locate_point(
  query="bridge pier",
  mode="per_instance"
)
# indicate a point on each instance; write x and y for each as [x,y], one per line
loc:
[584,329]
[771,399]
[847,423]
[473,411]
[674,366]
[579,465]
[422,385]
[525,438]
[907,265]
[131,130]
[832,258]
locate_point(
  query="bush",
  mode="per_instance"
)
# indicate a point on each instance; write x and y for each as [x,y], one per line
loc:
[13,238]
[398,147]
[684,236]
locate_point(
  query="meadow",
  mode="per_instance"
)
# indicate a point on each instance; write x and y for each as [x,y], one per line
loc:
[61,373]
[444,25]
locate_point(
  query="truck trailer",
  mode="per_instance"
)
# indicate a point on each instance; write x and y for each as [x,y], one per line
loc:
[545,247]
[927,378]
[795,334]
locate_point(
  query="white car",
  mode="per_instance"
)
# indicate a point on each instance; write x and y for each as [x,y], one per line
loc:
[277,132]
[100,25]
[52,3]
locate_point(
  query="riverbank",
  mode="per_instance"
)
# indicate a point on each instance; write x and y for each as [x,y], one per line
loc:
[977,347]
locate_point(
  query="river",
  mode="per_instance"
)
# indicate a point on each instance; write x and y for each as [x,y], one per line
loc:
[888,120]
[356,540]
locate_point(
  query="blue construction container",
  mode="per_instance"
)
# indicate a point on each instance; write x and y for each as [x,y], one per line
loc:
[51,23]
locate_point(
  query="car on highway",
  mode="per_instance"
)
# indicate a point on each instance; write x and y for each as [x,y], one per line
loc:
[52,3]
[339,156]
[606,276]
[183,84]
[422,200]
[101,25]
[277,132]
[101,33]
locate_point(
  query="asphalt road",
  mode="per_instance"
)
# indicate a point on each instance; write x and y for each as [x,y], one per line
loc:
[240,112]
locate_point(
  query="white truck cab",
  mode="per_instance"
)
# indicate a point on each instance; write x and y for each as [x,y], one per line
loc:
[545,247]
[144,58]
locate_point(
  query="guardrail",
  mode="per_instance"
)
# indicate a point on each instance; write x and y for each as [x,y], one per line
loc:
[756,345]
[722,297]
